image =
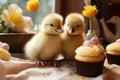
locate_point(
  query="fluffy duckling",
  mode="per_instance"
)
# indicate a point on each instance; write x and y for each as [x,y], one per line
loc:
[46,44]
[73,35]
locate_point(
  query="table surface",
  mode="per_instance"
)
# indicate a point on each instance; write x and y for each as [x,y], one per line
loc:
[68,72]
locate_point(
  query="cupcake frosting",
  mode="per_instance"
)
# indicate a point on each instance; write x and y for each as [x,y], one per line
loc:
[4,55]
[90,51]
[4,51]
[113,48]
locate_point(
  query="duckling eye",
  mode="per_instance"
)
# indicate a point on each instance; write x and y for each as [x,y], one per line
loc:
[51,25]
[68,24]
[79,26]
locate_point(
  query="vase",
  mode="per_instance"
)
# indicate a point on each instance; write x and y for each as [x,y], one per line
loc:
[90,34]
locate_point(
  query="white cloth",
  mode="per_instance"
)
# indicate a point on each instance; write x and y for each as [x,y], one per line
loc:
[66,72]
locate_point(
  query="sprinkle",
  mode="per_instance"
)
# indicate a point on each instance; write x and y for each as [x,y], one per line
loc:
[87,43]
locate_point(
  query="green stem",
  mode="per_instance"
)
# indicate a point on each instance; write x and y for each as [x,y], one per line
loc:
[90,24]
[36,12]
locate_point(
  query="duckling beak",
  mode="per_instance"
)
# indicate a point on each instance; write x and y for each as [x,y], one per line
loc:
[71,30]
[59,29]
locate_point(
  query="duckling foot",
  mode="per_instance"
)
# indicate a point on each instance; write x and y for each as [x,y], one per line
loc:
[40,63]
[56,63]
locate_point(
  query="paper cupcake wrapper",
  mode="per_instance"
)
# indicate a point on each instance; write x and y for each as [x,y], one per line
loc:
[89,69]
[113,59]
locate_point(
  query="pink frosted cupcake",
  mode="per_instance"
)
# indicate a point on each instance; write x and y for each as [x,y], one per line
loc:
[113,52]
[90,58]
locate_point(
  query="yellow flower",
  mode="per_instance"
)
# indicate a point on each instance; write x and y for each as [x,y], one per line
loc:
[33,5]
[14,19]
[89,10]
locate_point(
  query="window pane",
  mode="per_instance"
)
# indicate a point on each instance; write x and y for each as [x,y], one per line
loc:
[46,6]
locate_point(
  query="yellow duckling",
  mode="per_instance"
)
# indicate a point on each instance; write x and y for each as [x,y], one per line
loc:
[46,44]
[73,35]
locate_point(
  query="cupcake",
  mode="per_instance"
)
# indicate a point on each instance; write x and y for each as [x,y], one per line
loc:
[4,55]
[113,52]
[4,51]
[90,58]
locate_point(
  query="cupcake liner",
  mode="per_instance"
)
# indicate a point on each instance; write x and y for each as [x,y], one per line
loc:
[89,69]
[113,59]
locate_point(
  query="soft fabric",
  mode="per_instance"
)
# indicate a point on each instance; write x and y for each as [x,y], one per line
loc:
[66,72]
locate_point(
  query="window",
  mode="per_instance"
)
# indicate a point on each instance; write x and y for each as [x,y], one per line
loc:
[46,6]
